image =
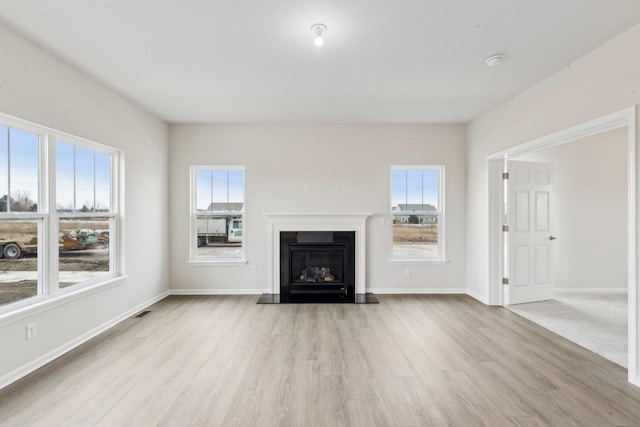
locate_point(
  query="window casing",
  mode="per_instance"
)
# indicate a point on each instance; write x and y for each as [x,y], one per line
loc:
[217,232]
[417,213]
[36,262]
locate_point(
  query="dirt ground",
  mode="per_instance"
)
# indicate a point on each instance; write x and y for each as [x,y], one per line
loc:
[415,233]
[10,291]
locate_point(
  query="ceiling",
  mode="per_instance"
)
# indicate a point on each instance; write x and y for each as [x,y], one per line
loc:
[383,61]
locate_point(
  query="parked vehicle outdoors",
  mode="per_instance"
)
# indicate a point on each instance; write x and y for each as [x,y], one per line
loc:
[80,239]
[216,229]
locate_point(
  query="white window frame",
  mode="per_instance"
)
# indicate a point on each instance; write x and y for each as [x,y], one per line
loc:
[113,214]
[49,292]
[204,260]
[439,258]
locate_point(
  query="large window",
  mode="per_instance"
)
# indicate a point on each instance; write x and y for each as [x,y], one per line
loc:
[68,218]
[217,214]
[417,212]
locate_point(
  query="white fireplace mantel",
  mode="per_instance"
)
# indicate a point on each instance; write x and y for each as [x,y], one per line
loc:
[278,222]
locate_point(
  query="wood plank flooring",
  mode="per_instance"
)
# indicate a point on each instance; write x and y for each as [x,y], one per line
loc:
[409,361]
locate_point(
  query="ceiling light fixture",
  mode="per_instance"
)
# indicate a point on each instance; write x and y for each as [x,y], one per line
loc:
[318,30]
[494,60]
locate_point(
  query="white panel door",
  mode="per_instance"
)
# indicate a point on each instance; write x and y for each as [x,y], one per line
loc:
[530,247]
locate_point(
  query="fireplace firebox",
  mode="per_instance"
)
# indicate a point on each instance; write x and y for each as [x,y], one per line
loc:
[317,264]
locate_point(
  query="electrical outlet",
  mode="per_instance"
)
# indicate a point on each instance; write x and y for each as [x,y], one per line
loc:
[407,273]
[334,188]
[307,189]
[254,268]
[32,331]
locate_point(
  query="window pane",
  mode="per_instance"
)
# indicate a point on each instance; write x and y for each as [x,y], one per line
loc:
[430,189]
[415,200]
[103,182]
[414,190]
[219,236]
[220,191]
[204,186]
[219,194]
[19,262]
[64,177]
[84,169]
[23,170]
[236,189]
[84,249]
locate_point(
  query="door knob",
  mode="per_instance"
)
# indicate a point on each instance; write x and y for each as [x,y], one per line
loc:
[552,238]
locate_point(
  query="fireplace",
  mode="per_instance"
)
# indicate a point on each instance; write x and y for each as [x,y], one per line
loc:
[335,223]
[316,263]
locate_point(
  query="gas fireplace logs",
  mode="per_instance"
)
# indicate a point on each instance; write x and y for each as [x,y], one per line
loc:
[317,274]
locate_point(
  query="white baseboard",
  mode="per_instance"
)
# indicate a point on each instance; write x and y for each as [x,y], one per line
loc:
[478,297]
[591,290]
[28,368]
[219,291]
[417,291]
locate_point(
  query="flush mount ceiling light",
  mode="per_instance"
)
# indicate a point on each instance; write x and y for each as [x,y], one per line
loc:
[494,60]
[318,30]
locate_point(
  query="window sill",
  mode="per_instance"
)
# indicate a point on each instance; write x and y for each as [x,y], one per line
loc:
[417,261]
[43,303]
[222,262]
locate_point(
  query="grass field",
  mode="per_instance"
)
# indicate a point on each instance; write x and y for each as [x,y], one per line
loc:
[415,233]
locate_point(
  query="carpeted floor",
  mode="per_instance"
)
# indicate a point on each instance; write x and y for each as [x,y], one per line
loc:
[597,322]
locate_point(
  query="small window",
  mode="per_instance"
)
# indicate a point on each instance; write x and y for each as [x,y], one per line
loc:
[217,214]
[417,212]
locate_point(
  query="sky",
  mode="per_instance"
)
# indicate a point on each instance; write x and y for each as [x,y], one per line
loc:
[219,186]
[414,186]
[19,169]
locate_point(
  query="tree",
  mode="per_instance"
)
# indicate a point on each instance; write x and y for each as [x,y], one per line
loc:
[21,201]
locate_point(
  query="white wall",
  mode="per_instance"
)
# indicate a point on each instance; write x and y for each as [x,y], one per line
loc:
[36,86]
[589,210]
[281,159]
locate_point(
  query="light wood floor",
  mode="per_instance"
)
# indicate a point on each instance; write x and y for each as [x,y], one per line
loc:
[409,361]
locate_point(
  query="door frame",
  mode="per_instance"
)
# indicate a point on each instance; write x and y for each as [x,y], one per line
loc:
[624,118]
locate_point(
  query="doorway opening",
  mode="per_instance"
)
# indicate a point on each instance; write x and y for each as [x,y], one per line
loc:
[590,226]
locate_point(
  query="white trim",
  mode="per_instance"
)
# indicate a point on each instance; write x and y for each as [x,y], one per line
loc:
[208,262]
[201,260]
[440,257]
[477,296]
[417,261]
[28,368]
[623,118]
[591,290]
[418,291]
[218,291]
[602,124]
[278,222]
